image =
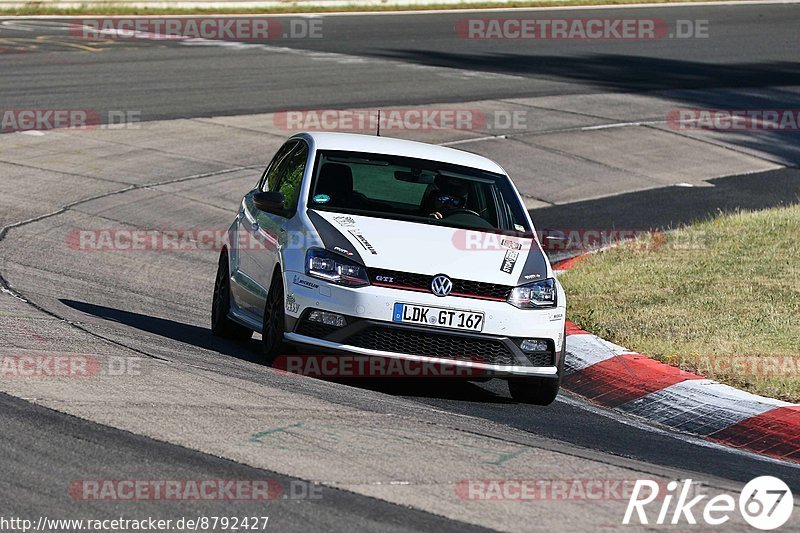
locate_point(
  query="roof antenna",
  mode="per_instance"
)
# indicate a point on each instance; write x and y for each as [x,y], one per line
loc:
[379,123]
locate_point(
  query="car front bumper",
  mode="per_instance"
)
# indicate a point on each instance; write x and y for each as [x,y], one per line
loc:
[370,331]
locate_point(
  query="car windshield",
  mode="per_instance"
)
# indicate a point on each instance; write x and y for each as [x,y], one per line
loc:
[416,190]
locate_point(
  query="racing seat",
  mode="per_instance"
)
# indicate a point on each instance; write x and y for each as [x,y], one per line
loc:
[428,205]
[336,180]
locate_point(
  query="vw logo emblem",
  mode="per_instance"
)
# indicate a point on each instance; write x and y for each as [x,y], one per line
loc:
[441,285]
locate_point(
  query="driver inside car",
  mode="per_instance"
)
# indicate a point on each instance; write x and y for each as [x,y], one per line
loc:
[449,195]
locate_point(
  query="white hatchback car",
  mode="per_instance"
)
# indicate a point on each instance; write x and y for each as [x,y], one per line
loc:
[398,249]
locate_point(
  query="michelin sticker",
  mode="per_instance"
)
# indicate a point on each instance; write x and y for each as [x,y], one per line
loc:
[304,283]
[363,241]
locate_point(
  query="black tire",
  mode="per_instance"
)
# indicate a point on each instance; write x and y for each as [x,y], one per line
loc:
[274,321]
[538,391]
[221,324]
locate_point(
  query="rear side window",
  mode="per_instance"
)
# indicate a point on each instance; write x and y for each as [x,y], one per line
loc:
[293,176]
[269,180]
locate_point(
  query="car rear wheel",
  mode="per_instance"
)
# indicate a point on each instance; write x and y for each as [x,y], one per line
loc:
[274,321]
[221,324]
[538,391]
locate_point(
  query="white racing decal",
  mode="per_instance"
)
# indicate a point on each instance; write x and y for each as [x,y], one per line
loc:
[345,221]
[291,304]
[512,245]
[363,241]
[509,261]
[342,250]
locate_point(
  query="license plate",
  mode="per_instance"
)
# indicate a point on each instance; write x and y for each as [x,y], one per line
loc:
[439,317]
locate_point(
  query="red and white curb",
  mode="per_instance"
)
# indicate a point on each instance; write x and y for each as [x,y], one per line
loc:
[614,377]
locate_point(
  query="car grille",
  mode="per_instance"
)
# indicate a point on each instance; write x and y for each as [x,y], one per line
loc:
[432,345]
[422,283]
[314,329]
[541,358]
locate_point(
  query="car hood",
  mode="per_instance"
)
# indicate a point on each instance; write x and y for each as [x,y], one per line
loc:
[428,249]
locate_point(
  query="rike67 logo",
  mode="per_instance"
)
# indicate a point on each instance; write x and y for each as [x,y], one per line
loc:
[765,503]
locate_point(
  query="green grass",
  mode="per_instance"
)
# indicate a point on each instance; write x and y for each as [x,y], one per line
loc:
[704,298]
[35,8]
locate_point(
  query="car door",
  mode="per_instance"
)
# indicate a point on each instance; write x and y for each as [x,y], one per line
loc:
[272,227]
[248,293]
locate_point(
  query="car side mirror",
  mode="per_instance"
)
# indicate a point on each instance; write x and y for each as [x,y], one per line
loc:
[271,202]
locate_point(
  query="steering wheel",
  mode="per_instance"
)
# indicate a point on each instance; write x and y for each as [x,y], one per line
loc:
[467,217]
[457,211]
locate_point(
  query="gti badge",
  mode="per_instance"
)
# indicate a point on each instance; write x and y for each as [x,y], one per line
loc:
[441,285]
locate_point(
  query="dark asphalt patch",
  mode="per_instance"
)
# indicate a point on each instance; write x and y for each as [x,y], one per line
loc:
[45,452]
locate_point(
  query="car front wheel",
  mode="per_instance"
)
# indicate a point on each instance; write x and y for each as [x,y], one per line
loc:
[221,324]
[538,391]
[274,321]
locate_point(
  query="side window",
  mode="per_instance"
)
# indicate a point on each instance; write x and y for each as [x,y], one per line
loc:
[269,180]
[292,179]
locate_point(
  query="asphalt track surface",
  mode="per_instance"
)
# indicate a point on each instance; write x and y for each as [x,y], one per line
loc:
[398,59]
[753,50]
[32,456]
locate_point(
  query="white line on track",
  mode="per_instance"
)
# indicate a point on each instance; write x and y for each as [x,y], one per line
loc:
[622,125]
[434,11]
[337,57]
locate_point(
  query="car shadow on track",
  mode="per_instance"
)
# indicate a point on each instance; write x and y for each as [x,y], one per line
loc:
[171,329]
[430,388]
[438,388]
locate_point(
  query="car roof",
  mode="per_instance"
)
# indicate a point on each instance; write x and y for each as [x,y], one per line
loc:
[353,142]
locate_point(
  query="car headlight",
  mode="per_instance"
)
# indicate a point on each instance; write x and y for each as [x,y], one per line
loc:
[335,268]
[534,295]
